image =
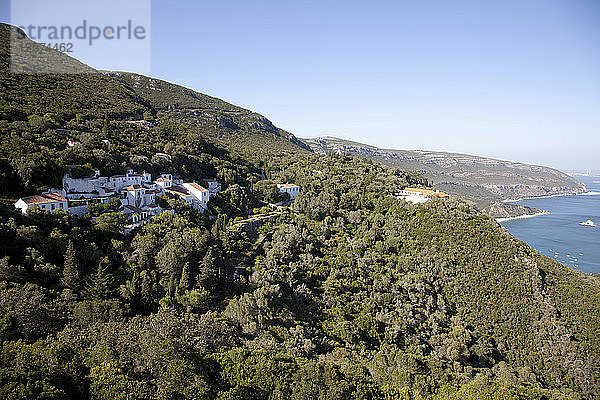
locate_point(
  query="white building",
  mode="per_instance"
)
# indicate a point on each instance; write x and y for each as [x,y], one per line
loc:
[201,194]
[119,182]
[182,193]
[290,188]
[192,194]
[164,182]
[418,195]
[90,184]
[139,196]
[140,216]
[46,201]
[101,185]
[135,191]
[134,196]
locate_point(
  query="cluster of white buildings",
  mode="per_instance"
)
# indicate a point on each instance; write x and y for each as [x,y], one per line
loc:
[137,192]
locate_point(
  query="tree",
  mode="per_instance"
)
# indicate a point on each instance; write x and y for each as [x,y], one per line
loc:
[237,197]
[100,285]
[71,278]
[105,124]
[219,225]
[184,282]
[207,274]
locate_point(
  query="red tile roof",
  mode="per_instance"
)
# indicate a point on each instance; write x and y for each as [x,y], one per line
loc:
[426,192]
[132,209]
[43,198]
[134,187]
[178,190]
[196,186]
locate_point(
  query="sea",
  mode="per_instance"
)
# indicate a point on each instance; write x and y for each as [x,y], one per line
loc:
[558,235]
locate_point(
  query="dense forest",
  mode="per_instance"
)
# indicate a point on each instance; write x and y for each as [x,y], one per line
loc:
[348,293]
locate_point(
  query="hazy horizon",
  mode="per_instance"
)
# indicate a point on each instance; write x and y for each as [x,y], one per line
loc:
[565,170]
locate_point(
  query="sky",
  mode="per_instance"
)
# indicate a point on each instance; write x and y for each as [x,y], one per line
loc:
[516,80]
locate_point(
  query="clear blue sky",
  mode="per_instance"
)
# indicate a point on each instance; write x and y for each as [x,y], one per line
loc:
[517,80]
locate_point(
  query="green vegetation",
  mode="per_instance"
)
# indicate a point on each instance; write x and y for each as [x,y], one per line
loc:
[347,294]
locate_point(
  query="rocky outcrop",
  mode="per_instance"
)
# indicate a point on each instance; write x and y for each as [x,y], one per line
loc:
[510,210]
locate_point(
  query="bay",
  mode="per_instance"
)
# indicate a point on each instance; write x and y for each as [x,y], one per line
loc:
[558,235]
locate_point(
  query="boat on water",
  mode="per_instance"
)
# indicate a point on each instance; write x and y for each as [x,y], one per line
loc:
[589,222]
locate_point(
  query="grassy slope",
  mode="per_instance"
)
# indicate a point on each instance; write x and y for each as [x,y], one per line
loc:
[207,112]
[88,92]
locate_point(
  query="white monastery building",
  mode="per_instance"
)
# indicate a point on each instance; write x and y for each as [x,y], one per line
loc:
[137,192]
[200,194]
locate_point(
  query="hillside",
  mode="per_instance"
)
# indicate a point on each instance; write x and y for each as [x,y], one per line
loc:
[349,293]
[202,109]
[483,180]
[138,116]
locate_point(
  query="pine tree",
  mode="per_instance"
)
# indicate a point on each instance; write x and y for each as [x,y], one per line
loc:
[147,288]
[184,282]
[100,284]
[70,277]
[207,275]
[220,225]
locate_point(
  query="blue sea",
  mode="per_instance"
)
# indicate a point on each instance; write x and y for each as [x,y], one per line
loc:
[558,235]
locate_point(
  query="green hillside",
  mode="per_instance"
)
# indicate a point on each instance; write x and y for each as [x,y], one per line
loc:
[348,293]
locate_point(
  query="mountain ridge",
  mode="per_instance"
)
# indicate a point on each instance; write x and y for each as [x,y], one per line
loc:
[138,93]
[484,180]
[127,110]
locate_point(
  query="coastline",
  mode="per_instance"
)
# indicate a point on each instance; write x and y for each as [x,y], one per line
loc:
[545,197]
[524,216]
[590,193]
[586,193]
